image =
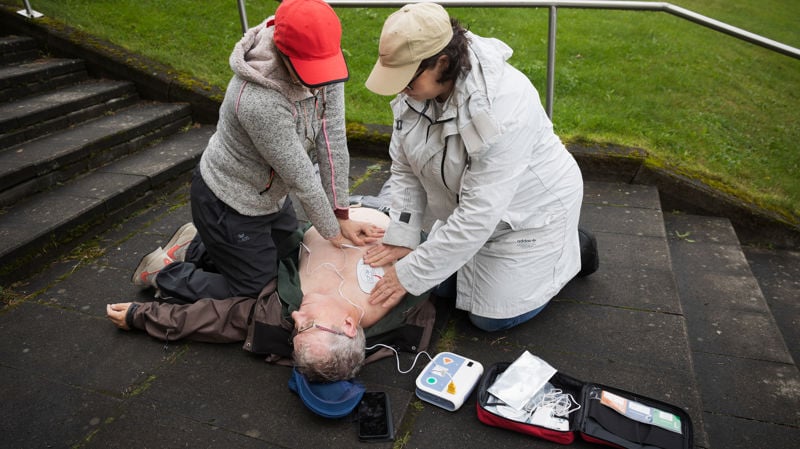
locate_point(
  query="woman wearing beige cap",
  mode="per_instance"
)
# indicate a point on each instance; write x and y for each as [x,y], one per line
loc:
[476,166]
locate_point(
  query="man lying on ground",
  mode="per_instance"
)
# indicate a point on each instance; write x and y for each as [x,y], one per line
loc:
[318,304]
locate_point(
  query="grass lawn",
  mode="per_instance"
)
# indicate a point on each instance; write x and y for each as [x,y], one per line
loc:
[701,102]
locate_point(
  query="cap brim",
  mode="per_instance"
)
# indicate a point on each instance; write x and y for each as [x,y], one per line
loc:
[327,399]
[319,72]
[390,80]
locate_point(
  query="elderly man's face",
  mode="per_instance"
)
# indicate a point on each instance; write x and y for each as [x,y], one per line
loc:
[319,319]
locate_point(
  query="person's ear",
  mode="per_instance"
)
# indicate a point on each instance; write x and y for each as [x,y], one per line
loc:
[442,63]
[350,327]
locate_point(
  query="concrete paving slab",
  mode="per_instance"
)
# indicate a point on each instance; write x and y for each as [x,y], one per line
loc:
[38,412]
[39,70]
[640,288]
[636,251]
[113,190]
[726,311]
[634,272]
[73,348]
[108,285]
[143,424]
[621,195]
[174,155]
[226,387]
[700,229]
[743,367]
[743,433]
[756,389]
[778,274]
[41,219]
[602,332]
[738,333]
[623,220]
[62,102]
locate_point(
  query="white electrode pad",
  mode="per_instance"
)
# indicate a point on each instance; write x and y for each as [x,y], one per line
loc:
[368,276]
[448,380]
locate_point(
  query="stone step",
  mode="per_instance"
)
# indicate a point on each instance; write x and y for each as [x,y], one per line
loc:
[39,75]
[27,118]
[17,48]
[39,164]
[747,377]
[76,153]
[37,229]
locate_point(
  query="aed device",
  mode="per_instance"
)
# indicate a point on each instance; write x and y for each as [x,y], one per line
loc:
[448,380]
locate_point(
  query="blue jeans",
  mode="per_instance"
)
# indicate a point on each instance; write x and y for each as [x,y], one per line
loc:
[447,289]
[500,324]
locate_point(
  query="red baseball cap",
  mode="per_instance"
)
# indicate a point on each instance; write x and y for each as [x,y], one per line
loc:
[309,33]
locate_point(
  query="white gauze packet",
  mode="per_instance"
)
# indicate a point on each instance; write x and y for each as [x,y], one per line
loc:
[521,380]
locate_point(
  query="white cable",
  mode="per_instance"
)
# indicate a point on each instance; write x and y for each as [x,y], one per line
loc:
[338,272]
[397,356]
[559,402]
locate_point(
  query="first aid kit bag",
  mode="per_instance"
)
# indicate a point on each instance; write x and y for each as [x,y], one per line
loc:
[567,407]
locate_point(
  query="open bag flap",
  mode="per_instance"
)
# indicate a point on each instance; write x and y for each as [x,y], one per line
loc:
[631,421]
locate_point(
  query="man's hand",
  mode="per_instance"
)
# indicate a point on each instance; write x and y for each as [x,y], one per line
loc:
[116,313]
[360,232]
[388,292]
[380,255]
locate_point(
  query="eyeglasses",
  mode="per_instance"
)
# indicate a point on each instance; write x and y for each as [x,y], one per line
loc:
[414,78]
[311,325]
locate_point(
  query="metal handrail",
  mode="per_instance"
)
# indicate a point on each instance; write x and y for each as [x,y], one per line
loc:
[29,12]
[594,4]
[553,5]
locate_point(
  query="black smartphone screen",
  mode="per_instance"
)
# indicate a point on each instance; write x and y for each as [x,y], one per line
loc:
[374,417]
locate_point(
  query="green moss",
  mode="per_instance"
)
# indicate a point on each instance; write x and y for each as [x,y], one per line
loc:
[448,338]
[9,297]
[141,388]
[360,132]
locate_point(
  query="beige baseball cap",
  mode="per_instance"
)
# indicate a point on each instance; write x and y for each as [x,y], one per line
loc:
[416,32]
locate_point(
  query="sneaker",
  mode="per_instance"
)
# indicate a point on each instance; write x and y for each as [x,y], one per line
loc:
[590,259]
[177,245]
[145,274]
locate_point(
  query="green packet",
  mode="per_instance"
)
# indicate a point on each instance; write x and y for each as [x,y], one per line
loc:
[640,412]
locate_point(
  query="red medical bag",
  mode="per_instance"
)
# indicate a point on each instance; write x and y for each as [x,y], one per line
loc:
[607,416]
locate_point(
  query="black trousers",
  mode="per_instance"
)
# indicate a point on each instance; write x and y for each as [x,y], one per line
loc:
[232,254]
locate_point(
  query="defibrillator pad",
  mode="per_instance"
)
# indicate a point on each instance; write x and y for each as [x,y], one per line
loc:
[368,276]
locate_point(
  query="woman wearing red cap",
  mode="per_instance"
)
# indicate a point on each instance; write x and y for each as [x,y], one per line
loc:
[475,163]
[283,112]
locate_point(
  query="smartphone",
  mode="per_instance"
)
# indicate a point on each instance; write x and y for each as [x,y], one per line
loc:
[375,417]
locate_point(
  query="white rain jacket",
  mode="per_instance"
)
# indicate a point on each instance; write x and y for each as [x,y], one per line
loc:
[498,191]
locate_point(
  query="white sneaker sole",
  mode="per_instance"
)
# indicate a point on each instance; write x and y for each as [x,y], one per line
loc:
[147,260]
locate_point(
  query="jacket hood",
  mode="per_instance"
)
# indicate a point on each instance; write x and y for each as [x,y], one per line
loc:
[256,59]
[489,56]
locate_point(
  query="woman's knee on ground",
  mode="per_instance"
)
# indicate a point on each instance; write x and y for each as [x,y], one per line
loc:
[500,324]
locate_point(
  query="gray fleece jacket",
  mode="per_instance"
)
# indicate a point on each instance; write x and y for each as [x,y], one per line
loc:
[270,133]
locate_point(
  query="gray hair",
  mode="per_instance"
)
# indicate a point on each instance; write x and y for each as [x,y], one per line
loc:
[341,360]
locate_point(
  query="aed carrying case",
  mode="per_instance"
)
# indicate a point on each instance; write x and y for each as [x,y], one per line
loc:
[607,416]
